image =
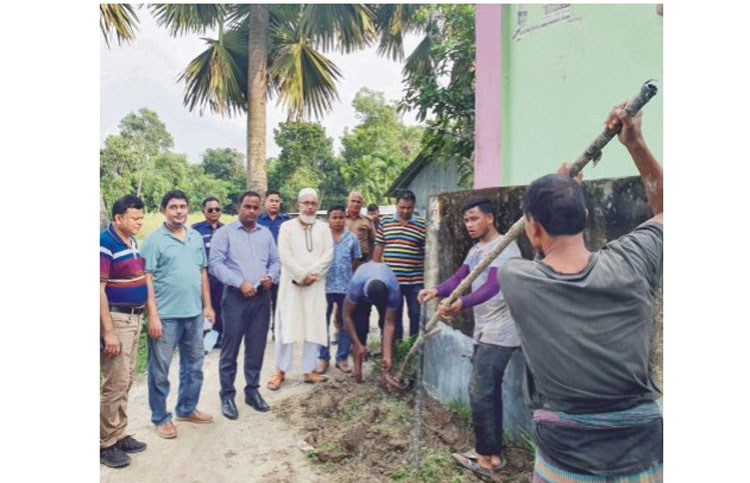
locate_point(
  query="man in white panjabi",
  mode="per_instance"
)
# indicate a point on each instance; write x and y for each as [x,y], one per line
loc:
[306,252]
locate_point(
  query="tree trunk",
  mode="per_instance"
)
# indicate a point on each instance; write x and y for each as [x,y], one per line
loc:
[103,217]
[256,108]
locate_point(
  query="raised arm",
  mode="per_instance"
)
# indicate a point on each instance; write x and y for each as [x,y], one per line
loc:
[651,172]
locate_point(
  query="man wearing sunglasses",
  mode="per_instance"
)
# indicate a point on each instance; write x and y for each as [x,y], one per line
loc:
[212,213]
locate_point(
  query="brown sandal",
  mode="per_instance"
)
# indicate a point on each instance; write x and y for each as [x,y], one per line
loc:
[275,383]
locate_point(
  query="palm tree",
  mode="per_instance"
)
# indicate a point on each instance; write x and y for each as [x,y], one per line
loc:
[265,51]
[115,20]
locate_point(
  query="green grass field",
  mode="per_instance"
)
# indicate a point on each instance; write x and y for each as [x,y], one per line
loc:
[153,220]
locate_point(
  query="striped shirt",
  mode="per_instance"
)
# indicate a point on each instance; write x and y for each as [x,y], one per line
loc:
[403,248]
[122,268]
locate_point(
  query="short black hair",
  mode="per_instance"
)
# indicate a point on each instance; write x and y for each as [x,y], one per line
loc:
[273,192]
[122,205]
[372,207]
[377,292]
[336,207]
[406,195]
[558,203]
[171,195]
[246,194]
[484,205]
[210,198]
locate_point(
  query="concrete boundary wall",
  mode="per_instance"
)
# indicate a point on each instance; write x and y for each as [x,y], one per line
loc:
[616,206]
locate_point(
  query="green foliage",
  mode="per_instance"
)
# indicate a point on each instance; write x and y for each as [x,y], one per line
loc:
[306,160]
[439,79]
[138,161]
[378,149]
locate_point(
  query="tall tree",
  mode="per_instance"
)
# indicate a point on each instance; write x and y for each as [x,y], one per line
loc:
[306,160]
[147,137]
[262,51]
[439,84]
[379,147]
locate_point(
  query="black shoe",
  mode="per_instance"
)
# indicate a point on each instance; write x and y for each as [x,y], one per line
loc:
[229,409]
[131,445]
[113,457]
[257,402]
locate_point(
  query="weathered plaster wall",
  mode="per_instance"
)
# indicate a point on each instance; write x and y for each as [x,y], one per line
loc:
[616,206]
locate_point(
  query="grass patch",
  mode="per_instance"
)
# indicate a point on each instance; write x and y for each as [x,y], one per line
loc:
[460,409]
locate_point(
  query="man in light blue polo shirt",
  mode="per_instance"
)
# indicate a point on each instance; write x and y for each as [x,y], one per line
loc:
[178,287]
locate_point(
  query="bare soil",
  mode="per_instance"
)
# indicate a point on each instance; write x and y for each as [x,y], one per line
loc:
[363,434]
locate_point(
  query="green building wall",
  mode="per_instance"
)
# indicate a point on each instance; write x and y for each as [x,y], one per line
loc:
[564,68]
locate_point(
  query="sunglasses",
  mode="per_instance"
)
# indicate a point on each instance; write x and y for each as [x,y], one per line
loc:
[213,210]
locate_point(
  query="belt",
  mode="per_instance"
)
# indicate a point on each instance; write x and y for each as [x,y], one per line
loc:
[123,309]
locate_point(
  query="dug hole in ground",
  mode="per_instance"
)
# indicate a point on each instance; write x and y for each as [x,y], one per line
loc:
[358,432]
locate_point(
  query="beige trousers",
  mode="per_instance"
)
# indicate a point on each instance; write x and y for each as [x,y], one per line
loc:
[117,377]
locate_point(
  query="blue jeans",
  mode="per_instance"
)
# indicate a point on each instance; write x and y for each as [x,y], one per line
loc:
[186,333]
[345,341]
[409,292]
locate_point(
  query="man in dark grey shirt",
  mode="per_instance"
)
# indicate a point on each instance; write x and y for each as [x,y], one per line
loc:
[585,322]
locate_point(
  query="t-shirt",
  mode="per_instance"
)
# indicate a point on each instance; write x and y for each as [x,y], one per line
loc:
[374,271]
[121,267]
[403,248]
[345,251]
[176,266]
[493,323]
[586,336]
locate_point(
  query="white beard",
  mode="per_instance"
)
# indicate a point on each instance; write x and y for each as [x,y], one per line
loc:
[307,219]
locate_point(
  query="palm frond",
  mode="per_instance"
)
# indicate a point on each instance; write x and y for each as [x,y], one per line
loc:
[303,77]
[118,20]
[392,22]
[181,19]
[419,61]
[217,78]
[345,27]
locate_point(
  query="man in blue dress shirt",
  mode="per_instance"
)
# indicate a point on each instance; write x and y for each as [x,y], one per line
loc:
[245,259]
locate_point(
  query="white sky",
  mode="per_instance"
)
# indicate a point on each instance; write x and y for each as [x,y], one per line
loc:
[144,74]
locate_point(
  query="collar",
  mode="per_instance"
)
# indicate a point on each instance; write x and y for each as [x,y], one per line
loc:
[240,226]
[188,231]
[116,236]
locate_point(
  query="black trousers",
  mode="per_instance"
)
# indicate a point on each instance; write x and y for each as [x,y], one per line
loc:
[216,289]
[486,396]
[362,321]
[248,318]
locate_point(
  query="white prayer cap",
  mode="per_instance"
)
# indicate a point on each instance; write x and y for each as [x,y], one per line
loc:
[305,192]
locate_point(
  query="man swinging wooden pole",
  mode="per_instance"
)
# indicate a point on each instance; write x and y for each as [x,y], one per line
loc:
[593,152]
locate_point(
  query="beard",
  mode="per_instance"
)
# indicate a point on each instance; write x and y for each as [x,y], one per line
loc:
[307,219]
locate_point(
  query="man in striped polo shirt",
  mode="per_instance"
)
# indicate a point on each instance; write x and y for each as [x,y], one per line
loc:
[123,295]
[400,244]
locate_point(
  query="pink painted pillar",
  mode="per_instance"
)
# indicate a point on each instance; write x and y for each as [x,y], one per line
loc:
[488,96]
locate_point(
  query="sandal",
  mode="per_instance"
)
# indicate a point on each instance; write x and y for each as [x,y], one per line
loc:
[313,377]
[343,366]
[474,466]
[275,383]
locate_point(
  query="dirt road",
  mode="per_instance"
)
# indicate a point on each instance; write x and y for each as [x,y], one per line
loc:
[255,447]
